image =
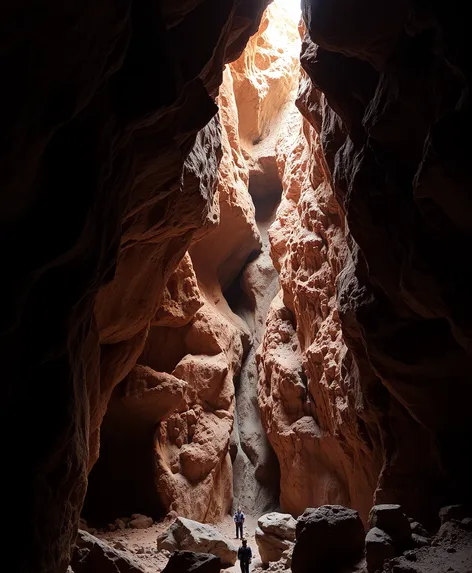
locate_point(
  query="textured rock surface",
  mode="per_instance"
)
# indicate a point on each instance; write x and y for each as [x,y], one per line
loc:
[189,535]
[330,537]
[196,345]
[451,551]
[378,548]
[391,519]
[275,535]
[282,525]
[310,394]
[189,562]
[92,555]
[394,125]
[264,78]
[97,125]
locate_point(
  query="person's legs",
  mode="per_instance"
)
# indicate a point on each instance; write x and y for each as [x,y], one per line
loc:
[236,529]
[241,525]
[239,529]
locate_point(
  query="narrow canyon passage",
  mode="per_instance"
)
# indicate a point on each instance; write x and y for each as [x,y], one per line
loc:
[183,432]
[235,238]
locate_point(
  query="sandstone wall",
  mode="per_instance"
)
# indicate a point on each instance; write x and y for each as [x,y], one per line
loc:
[394,126]
[100,111]
[177,458]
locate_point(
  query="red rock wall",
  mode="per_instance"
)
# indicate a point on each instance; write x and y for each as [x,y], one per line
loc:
[176,456]
[100,198]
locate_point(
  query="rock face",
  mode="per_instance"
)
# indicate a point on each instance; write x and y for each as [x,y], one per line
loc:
[92,555]
[189,535]
[394,136]
[329,538]
[168,426]
[264,79]
[275,535]
[310,390]
[104,181]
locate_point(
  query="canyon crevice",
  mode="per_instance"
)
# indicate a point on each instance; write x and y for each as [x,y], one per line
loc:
[236,260]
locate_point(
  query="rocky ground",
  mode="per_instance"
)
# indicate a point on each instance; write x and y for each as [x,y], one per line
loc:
[142,543]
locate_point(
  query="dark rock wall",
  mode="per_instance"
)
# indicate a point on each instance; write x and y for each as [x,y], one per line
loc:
[100,107]
[394,123]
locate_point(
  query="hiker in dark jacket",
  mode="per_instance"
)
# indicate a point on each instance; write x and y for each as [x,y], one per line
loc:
[239,521]
[244,556]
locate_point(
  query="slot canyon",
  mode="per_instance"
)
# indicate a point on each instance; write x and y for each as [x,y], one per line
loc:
[235,275]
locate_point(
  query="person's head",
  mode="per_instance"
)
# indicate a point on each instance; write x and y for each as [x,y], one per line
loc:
[244,542]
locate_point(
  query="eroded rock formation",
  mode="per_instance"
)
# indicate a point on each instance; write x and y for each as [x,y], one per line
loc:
[393,125]
[103,184]
[168,426]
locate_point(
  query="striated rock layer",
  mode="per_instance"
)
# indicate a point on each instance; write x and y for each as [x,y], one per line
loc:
[104,181]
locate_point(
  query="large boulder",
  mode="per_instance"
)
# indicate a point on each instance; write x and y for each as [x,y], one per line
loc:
[391,519]
[275,535]
[329,538]
[379,547]
[450,512]
[93,555]
[190,562]
[189,535]
[282,525]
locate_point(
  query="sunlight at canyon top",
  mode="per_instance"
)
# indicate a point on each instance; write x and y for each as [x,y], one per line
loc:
[292,8]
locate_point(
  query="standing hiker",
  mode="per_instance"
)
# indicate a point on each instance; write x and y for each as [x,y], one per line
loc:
[244,556]
[239,521]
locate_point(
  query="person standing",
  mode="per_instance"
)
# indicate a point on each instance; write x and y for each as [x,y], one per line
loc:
[239,521]
[244,556]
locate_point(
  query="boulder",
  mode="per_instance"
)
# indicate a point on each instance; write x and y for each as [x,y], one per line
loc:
[379,547]
[93,555]
[458,512]
[139,521]
[190,562]
[329,538]
[271,548]
[186,534]
[120,524]
[419,540]
[418,529]
[391,519]
[275,535]
[282,525]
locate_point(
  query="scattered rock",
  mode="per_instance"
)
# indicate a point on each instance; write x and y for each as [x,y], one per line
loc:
[186,534]
[420,540]
[417,528]
[120,524]
[458,512]
[328,536]
[378,548]
[111,527]
[119,545]
[190,562]
[391,519]
[139,521]
[93,555]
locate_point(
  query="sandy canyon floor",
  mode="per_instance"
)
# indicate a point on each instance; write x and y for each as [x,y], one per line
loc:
[142,543]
